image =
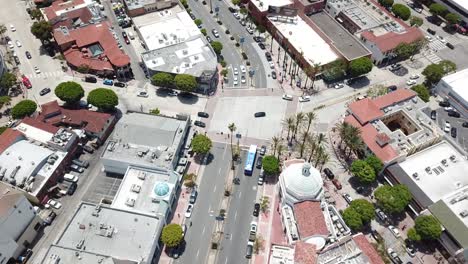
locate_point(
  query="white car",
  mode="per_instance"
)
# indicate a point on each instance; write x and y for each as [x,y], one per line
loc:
[18,43]
[448,108]
[447,127]
[10,44]
[188,212]
[417,9]
[54,204]
[414,77]
[243,70]
[304,98]
[394,231]
[272,65]
[339,86]
[235,71]
[253,228]
[142,94]
[441,39]
[236,15]
[36,70]
[243,79]
[287,97]
[12,28]
[429,38]
[236,81]
[410,82]
[250,30]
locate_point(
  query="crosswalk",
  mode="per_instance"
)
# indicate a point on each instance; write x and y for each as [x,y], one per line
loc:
[45,75]
[437,45]
[432,57]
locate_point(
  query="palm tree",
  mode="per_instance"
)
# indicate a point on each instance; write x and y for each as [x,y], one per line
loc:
[343,130]
[3,29]
[289,123]
[305,135]
[299,119]
[324,158]
[318,154]
[232,127]
[275,141]
[312,142]
[280,148]
[309,117]
[314,70]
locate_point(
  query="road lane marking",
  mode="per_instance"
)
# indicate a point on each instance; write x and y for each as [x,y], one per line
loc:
[214,190]
[198,253]
[225,262]
[240,194]
[203,230]
[235,216]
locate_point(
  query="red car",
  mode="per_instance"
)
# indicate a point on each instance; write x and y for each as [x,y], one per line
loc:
[337,184]
[26,82]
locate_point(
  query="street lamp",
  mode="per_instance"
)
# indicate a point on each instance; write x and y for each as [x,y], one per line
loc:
[279,54]
[211,8]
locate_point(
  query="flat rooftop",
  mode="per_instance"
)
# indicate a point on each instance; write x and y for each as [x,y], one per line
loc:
[461,3]
[144,139]
[98,232]
[263,5]
[281,255]
[433,173]
[343,40]
[304,39]
[146,191]
[350,250]
[458,82]
[134,4]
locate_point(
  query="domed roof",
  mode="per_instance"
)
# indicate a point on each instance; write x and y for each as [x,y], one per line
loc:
[161,189]
[303,181]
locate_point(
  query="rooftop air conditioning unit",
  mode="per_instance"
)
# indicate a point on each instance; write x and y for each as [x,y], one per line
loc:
[130,202]
[416,176]
[464,213]
[428,170]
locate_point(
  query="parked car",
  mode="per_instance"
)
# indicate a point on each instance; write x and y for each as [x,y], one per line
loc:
[143,94]
[261,45]
[273,75]
[72,188]
[203,114]
[465,124]
[262,150]
[347,198]
[193,196]
[260,179]
[120,84]
[208,38]
[337,184]
[287,97]
[90,79]
[173,93]
[453,132]
[329,173]
[304,98]
[54,204]
[256,210]
[394,231]
[70,177]
[184,230]
[28,55]
[444,104]
[188,212]
[268,56]
[447,126]
[232,9]
[433,114]
[431,31]
[249,250]
[394,256]
[50,218]
[453,113]
[410,82]
[410,250]
[259,162]
[88,149]
[253,227]
[44,91]
[257,39]
[108,82]
[259,114]
[76,168]
[81,163]
[381,215]
[215,33]
[414,77]
[199,123]
[249,30]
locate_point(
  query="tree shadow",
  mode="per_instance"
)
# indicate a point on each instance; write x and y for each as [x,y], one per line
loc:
[188,98]
[201,159]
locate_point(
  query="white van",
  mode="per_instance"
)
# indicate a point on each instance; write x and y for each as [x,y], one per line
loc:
[70,177]
[131,35]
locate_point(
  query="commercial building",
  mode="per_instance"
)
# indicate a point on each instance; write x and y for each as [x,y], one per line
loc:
[145,141]
[300,182]
[437,180]
[375,26]
[141,7]
[72,14]
[19,223]
[94,47]
[393,126]
[456,6]
[453,88]
[175,45]
[100,234]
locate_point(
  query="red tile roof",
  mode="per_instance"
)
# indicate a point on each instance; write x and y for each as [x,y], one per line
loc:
[83,14]
[8,137]
[369,136]
[365,110]
[305,253]
[54,114]
[368,249]
[60,5]
[394,97]
[310,219]
[40,125]
[390,40]
[80,40]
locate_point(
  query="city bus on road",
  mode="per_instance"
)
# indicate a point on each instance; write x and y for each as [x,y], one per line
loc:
[250,161]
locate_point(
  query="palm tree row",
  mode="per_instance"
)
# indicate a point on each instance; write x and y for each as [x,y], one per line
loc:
[351,137]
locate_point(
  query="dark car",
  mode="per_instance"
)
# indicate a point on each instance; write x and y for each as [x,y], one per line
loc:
[433,114]
[193,196]
[453,132]
[199,124]
[257,39]
[192,16]
[261,45]
[273,74]
[208,38]
[465,124]
[256,209]
[268,56]
[329,173]
[232,9]
[392,88]
[444,104]
[120,84]
[337,184]
[90,79]
[431,31]
[260,114]
[259,162]
[44,91]
[88,149]
[71,190]
[203,114]
[50,218]
[124,34]
[450,45]
[262,150]
[28,55]
[453,114]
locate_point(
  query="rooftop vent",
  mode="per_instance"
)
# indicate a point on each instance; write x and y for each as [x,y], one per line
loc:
[453,158]
[416,176]
[428,170]
[464,213]
[130,202]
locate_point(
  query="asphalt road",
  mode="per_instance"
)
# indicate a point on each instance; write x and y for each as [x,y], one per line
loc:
[239,217]
[210,193]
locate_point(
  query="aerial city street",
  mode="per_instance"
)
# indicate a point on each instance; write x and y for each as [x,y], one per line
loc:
[233,131]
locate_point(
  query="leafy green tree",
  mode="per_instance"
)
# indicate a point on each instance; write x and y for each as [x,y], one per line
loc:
[270,165]
[404,50]
[352,219]
[224,72]
[163,79]
[155,111]
[433,73]
[2,129]
[428,227]
[401,11]
[23,108]
[201,144]
[83,68]
[448,66]
[437,9]
[375,163]
[377,90]
[69,92]
[42,30]
[172,235]
[364,208]
[393,199]
[422,92]
[198,22]
[363,171]
[8,80]
[184,3]
[360,66]
[413,235]
[203,31]
[335,70]
[3,29]
[5,99]
[452,18]
[217,47]
[185,82]
[236,2]
[36,14]
[416,21]
[103,98]
[386,3]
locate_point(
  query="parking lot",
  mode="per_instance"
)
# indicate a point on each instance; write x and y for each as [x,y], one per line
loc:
[462,132]
[103,187]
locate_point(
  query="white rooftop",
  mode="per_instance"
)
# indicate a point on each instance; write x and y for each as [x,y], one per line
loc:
[146,191]
[304,39]
[301,182]
[34,133]
[461,3]
[281,255]
[441,170]
[457,81]
[263,5]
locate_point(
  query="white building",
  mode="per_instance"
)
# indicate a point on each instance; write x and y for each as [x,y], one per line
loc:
[19,223]
[454,88]
[456,6]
